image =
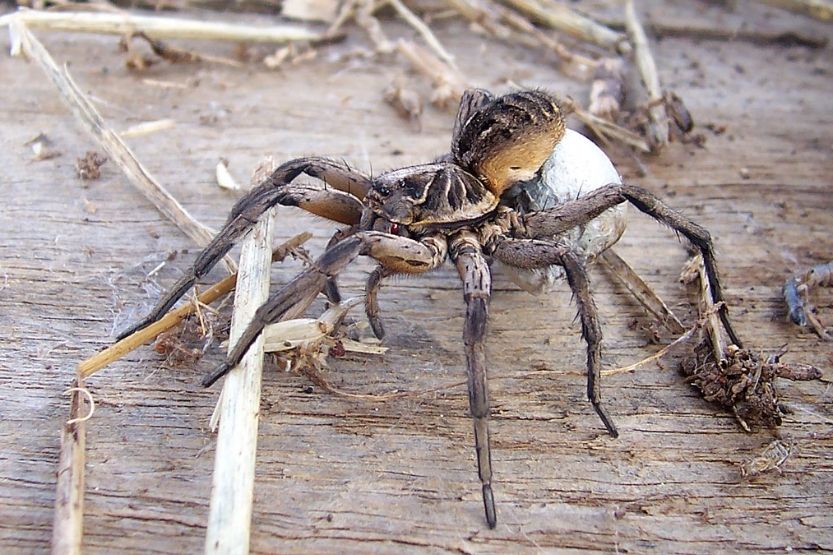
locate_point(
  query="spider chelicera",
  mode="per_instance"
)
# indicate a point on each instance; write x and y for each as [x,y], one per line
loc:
[466,207]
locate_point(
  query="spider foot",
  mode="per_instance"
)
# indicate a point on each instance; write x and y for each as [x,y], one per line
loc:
[606,420]
[215,375]
[489,505]
[376,326]
[374,282]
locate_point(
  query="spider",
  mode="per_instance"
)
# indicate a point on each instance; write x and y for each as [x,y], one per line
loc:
[464,206]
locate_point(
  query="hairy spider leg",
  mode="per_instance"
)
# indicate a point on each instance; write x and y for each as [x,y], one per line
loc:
[341,203]
[371,299]
[563,217]
[399,253]
[531,253]
[331,288]
[477,289]
[470,103]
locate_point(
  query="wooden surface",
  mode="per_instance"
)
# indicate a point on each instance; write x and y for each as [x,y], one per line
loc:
[338,475]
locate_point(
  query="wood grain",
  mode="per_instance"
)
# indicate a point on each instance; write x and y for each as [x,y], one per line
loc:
[340,475]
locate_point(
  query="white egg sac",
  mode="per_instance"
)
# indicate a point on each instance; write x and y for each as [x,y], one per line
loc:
[576,167]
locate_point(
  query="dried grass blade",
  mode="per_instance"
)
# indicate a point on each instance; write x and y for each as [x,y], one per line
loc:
[641,291]
[110,142]
[658,128]
[232,490]
[157,27]
[68,520]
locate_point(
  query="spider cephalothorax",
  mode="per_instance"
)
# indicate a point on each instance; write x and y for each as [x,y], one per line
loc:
[466,207]
[430,196]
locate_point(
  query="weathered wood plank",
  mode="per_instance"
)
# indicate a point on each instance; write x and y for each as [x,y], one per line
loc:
[348,476]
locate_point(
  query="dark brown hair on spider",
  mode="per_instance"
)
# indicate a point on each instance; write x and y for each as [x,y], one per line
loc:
[411,220]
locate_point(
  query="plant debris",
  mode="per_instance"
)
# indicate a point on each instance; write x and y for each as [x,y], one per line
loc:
[405,101]
[607,91]
[138,61]
[42,147]
[174,343]
[224,178]
[796,294]
[291,54]
[744,382]
[310,10]
[771,458]
[184,345]
[88,167]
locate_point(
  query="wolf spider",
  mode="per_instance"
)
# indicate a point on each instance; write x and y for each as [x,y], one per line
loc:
[459,207]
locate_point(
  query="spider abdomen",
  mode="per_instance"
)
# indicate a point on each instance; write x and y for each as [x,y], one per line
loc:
[507,140]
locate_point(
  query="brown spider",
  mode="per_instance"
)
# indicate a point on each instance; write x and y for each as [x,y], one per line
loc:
[463,206]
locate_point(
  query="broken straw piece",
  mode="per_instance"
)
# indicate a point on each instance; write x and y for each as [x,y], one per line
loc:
[283,336]
[224,178]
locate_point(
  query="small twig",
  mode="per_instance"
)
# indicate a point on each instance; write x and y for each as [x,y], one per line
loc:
[658,126]
[477,12]
[607,91]
[708,308]
[643,293]
[661,29]
[567,20]
[109,140]
[132,342]
[177,55]
[447,81]
[157,27]
[147,127]
[232,484]
[703,321]
[656,356]
[449,84]
[367,21]
[346,12]
[68,520]
[414,21]
[572,63]
[713,321]
[506,24]
[818,9]
[605,129]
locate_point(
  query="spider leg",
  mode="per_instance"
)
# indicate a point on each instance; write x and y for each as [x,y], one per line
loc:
[340,203]
[399,253]
[331,289]
[371,299]
[559,219]
[471,101]
[477,285]
[529,253]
